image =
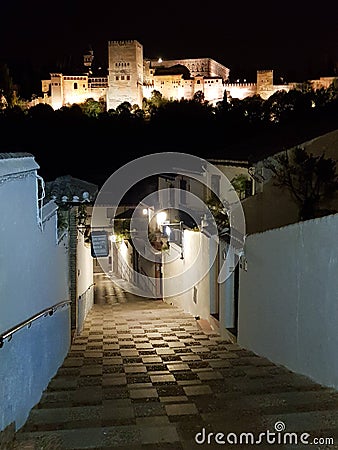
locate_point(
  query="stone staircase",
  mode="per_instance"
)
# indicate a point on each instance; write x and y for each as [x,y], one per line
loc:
[144,375]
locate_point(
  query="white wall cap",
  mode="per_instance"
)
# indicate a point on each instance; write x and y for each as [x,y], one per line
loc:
[16,163]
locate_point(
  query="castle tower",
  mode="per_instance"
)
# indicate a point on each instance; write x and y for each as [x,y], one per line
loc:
[88,58]
[265,86]
[125,73]
[57,93]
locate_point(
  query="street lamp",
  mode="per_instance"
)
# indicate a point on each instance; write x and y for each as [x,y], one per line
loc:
[161,217]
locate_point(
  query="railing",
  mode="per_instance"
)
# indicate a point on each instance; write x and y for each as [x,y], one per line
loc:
[85,303]
[28,322]
[147,283]
[88,288]
[124,270]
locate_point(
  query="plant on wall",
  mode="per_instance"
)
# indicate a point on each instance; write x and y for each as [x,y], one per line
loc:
[62,220]
[219,212]
[122,228]
[82,214]
[240,183]
[158,240]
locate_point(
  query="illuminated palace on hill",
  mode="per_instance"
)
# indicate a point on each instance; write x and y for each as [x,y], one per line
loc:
[131,78]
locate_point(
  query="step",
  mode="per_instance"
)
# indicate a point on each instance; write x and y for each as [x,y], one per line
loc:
[101,437]
[46,419]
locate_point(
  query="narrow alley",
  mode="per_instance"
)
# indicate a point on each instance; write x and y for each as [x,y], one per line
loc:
[144,375]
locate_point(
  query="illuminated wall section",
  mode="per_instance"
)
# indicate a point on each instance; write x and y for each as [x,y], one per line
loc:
[75,89]
[213,89]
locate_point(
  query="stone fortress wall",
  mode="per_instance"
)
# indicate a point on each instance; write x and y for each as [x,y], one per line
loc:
[131,77]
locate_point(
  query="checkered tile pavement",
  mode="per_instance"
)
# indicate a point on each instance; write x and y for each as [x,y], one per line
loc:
[142,374]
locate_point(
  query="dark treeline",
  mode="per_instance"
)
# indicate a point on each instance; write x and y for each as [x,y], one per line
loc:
[87,142]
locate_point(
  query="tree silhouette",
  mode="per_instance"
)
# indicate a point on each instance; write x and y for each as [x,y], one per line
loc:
[199,97]
[93,108]
[6,84]
[310,179]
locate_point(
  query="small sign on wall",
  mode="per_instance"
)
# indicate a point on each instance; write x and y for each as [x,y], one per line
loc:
[99,244]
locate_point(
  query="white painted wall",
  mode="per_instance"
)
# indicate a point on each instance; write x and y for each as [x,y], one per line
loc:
[226,290]
[85,280]
[178,275]
[288,309]
[33,276]
[124,264]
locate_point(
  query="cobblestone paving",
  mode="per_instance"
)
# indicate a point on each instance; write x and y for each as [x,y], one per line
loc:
[143,375]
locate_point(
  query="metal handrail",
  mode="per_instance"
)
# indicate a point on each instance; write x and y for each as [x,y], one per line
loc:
[84,292]
[142,272]
[28,322]
[82,307]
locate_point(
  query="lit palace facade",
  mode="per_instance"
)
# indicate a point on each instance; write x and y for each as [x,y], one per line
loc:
[131,78]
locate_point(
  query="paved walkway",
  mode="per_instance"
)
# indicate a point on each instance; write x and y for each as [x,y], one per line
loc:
[142,375]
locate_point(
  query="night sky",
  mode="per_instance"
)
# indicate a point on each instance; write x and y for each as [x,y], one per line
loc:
[297,40]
